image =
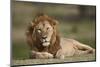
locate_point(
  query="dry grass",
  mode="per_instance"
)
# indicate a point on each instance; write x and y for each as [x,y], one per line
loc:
[90,57]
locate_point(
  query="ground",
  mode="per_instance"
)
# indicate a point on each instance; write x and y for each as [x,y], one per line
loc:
[83,58]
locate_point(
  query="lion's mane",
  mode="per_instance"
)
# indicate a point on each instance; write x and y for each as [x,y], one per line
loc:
[35,44]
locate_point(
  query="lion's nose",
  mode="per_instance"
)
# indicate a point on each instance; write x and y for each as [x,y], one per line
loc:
[44,37]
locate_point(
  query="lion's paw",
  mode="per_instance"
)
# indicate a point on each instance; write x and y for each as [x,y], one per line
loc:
[47,55]
[41,55]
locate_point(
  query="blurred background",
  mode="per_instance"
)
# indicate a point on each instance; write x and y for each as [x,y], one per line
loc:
[75,21]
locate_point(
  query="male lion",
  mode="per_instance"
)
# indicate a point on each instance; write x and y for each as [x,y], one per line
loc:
[44,40]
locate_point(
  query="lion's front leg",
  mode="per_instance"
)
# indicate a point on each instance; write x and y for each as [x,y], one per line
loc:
[41,55]
[60,54]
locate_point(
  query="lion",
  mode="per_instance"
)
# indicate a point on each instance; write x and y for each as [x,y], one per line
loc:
[44,40]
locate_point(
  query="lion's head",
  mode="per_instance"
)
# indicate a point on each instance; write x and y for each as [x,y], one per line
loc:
[43,33]
[44,29]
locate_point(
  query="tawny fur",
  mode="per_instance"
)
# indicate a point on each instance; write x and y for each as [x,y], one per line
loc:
[59,47]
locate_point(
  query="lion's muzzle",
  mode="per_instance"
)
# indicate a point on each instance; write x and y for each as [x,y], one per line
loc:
[45,41]
[46,44]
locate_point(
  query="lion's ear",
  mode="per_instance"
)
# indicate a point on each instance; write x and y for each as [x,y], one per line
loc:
[30,28]
[32,24]
[55,22]
[35,20]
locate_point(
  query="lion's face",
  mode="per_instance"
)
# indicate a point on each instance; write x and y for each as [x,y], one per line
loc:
[44,32]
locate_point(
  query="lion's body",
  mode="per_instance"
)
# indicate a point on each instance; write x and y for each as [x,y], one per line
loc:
[45,42]
[71,47]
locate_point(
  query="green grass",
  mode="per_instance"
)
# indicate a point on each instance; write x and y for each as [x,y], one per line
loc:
[20,51]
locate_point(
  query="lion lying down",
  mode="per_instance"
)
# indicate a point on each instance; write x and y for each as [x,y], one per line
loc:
[45,42]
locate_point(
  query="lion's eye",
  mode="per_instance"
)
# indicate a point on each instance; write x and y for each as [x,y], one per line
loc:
[38,30]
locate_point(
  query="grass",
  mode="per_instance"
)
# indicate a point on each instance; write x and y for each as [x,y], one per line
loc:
[20,51]
[83,58]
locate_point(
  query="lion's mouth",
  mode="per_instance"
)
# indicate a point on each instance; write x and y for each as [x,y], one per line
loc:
[45,42]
